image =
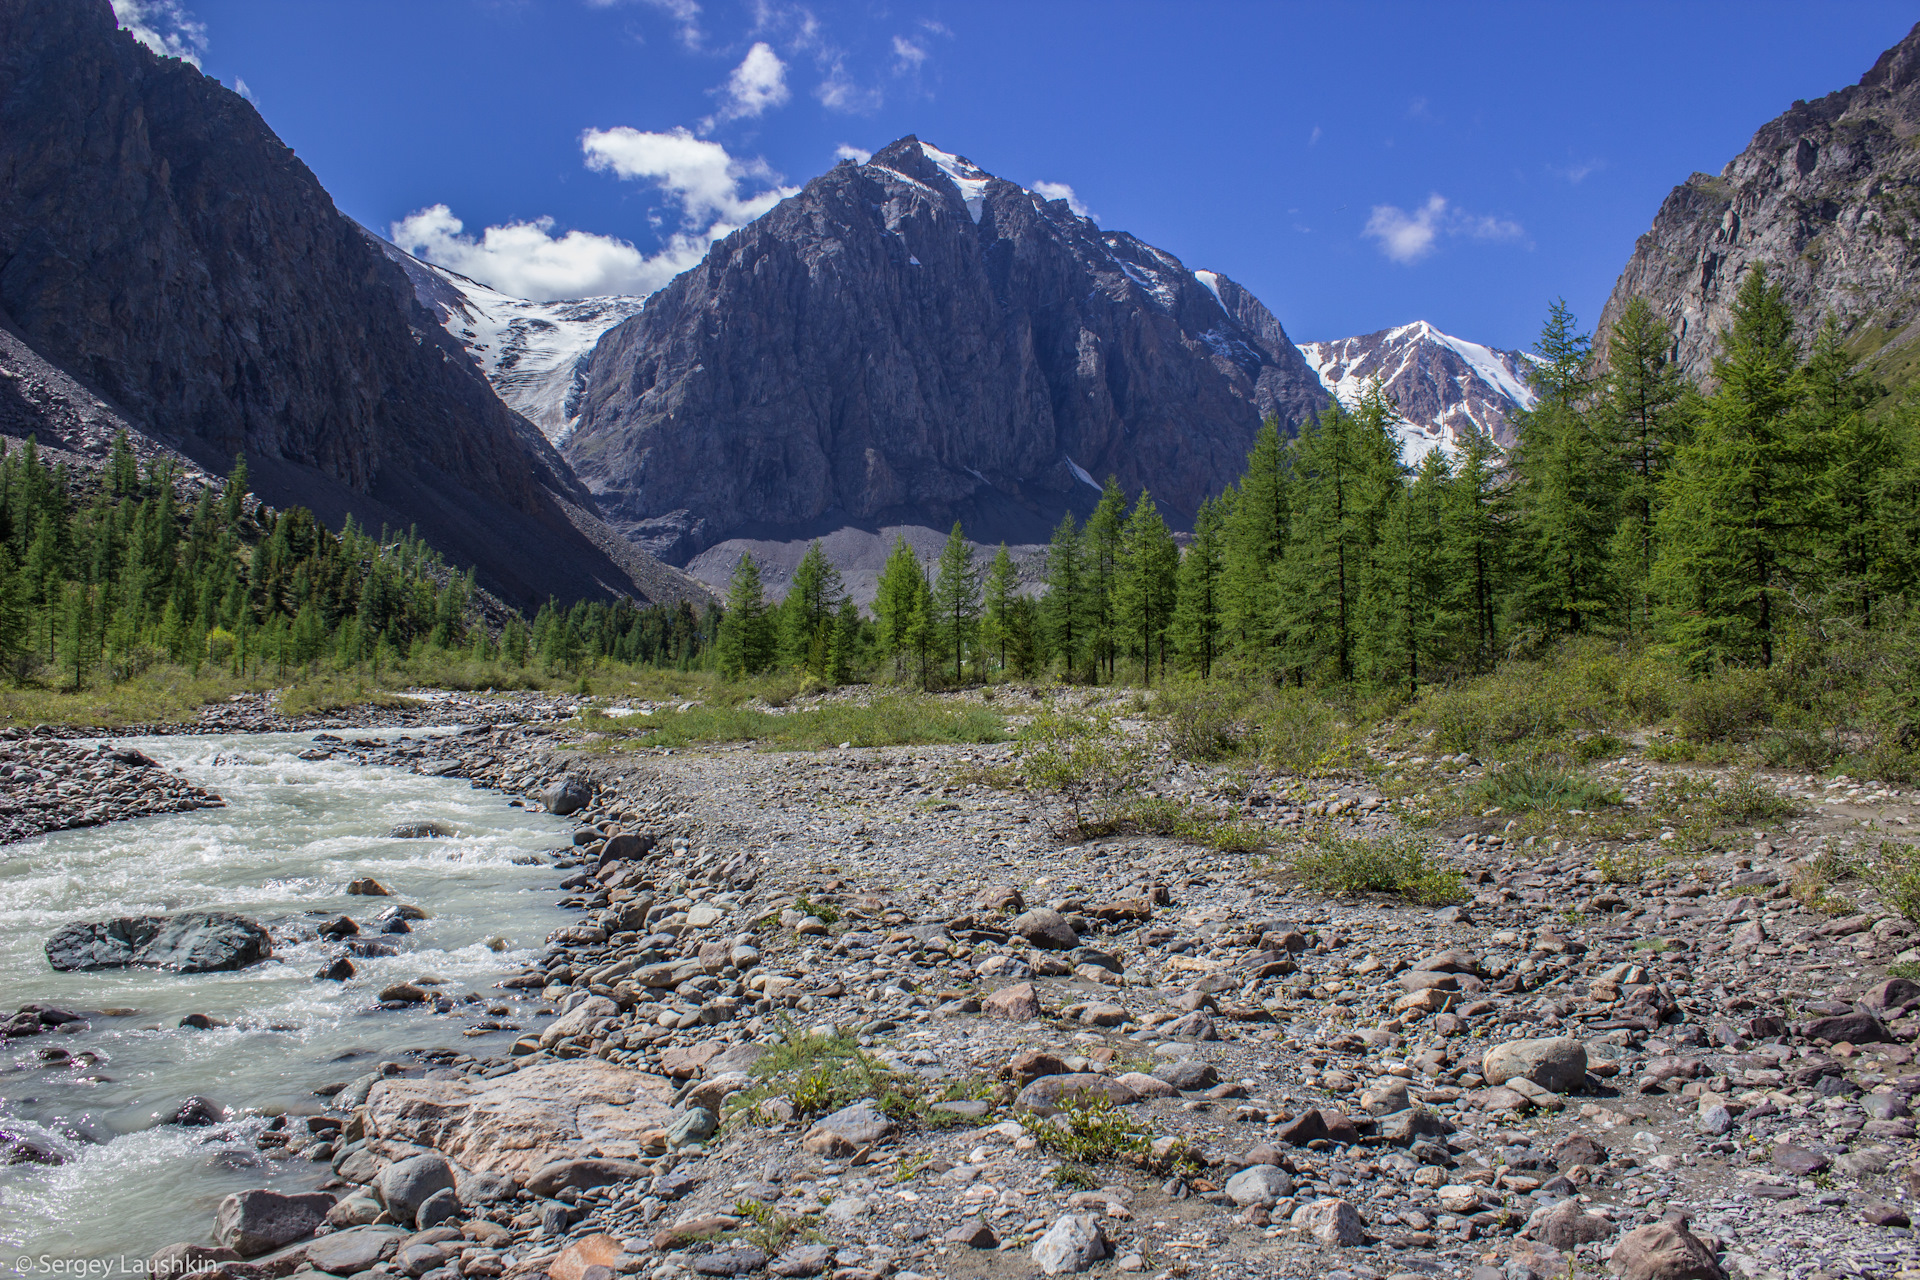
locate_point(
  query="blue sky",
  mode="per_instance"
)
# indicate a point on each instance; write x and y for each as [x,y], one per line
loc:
[1356,166]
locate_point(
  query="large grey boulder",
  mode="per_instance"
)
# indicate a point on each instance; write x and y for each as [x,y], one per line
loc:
[1334,1223]
[405,1185]
[1664,1251]
[1073,1243]
[1556,1063]
[567,794]
[192,942]
[349,1252]
[1261,1184]
[1047,929]
[255,1222]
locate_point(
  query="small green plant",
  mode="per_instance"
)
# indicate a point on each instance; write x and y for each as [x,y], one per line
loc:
[1812,890]
[1075,1176]
[1626,866]
[1656,946]
[1089,1130]
[1395,865]
[768,1230]
[1896,873]
[1908,969]
[824,1073]
[1180,820]
[1519,788]
[1746,800]
[821,911]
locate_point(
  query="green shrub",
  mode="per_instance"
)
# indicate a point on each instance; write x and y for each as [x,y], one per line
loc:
[1896,873]
[1299,731]
[1731,704]
[1086,762]
[1203,719]
[1179,820]
[1746,800]
[1520,788]
[1089,1130]
[1396,865]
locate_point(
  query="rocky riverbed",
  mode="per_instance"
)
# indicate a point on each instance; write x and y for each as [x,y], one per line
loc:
[860,1012]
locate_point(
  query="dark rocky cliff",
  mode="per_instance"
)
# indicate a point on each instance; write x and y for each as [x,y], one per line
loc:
[1827,196]
[912,341]
[160,246]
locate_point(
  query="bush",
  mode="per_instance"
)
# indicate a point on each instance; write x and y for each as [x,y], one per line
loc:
[1089,1130]
[1747,800]
[1520,788]
[1301,732]
[1203,719]
[1397,865]
[1731,704]
[1897,875]
[1086,762]
[1179,820]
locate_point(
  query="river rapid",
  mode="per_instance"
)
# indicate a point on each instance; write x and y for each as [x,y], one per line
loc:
[293,834]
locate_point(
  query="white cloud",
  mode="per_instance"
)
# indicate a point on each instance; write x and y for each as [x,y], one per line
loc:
[907,55]
[758,83]
[240,87]
[1579,170]
[164,26]
[527,260]
[716,195]
[1061,191]
[858,155]
[838,92]
[1314,137]
[706,181]
[1408,237]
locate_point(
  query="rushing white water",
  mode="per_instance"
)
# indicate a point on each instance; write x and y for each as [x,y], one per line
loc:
[294,832]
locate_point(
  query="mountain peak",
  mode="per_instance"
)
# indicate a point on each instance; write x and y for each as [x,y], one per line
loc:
[1443,386]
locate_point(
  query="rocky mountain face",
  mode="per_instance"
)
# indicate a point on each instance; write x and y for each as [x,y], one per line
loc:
[913,341]
[177,267]
[535,354]
[1443,385]
[1827,196]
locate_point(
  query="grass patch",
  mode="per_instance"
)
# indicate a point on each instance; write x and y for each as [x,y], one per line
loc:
[818,1074]
[1626,866]
[886,722]
[1746,800]
[337,693]
[770,1230]
[821,911]
[1090,1130]
[1179,820]
[1074,1177]
[1908,969]
[1398,866]
[1896,874]
[1521,788]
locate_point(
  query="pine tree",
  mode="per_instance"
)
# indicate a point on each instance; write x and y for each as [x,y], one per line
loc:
[807,614]
[1100,542]
[956,597]
[1566,496]
[233,494]
[1854,454]
[1347,471]
[1002,585]
[1195,631]
[1474,522]
[746,642]
[1254,526]
[1064,609]
[902,607]
[1149,574]
[1734,531]
[1408,614]
[1643,421]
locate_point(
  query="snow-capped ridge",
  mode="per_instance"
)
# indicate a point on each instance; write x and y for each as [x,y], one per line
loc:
[1443,386]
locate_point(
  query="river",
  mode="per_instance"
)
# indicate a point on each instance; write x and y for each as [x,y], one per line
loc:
[282,851]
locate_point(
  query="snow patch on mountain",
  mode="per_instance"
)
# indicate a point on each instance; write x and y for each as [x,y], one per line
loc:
[534,353]
[1444,386]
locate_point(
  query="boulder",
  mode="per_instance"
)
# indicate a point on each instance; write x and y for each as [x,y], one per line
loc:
[578,1022]
[198,1112]
[1262,1184]
[1017,1003]
[1891,994]
[1029,1065]
[1334,1223]
[548,1180]
[597,1250]
[1564,1226]
[255,1222]
[626,847]
[1663,1251]
[567,794]
[1073,1243]
[349,1252]
[861,1124]
[1555,1063]
[1187,1074]
[442,1206]
[1046,929]
[405,1185]
[1062,1090]
[368,887]
[192,942]
[523,1121]
[1859,1027]
[421,831]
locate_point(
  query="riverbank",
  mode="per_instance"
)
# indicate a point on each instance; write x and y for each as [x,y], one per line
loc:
[1566,1064]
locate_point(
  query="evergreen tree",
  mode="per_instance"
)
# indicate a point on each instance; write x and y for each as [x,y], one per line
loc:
[1100,561]
[1195,630]
[956,597]
[903,608]
[1002,586]
[1408,623]
[1254,527]
[1475,527]
[1643,421]
[1854,454]
[807,614]
[235,491]
[1065,609]
[1566,500]
[746,644]
[1149,574]
[1734,530]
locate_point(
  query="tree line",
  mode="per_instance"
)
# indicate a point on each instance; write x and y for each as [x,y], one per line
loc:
[1634,505]
[103,574]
